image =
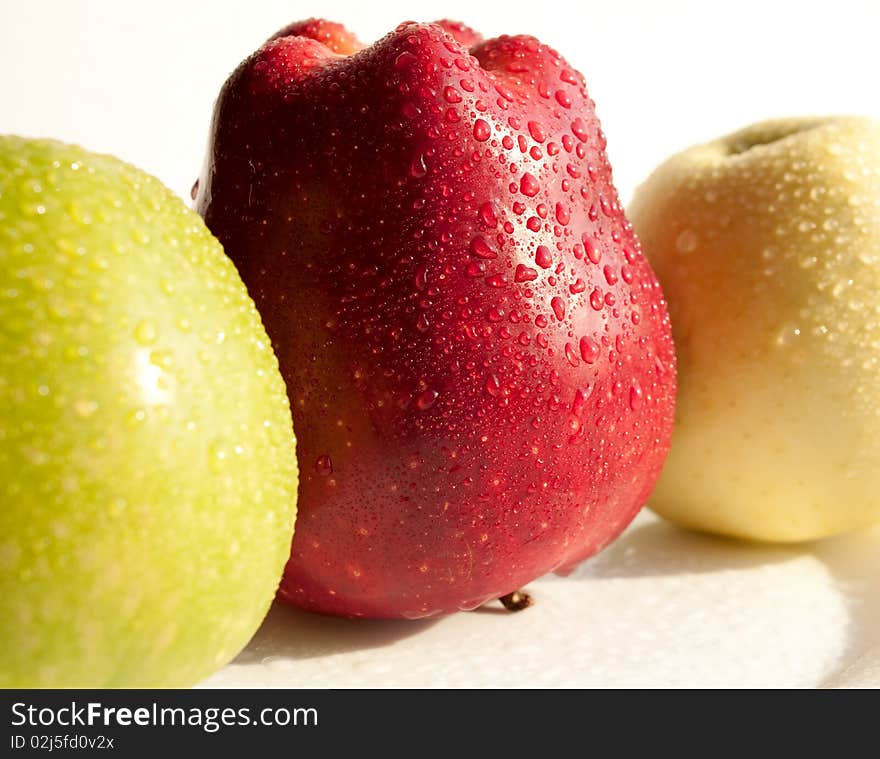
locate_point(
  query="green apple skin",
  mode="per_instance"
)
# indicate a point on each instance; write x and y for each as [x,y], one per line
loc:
[767,246]
[147,463]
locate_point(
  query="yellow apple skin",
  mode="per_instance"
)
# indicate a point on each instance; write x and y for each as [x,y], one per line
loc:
[767,245]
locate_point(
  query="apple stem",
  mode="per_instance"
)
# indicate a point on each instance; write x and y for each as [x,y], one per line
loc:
[516,601]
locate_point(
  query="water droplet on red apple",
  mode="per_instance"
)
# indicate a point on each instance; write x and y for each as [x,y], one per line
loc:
[562,214]
[426,399]
[482,130]
[481,249]
[589,349]
[558,306]
[525,274]
[543,257]
[493,386]
[528,185]
[580,398]
[405,60]
[419,167]
[487,215]
[563,98]
[579,129]
[410,110]
[476,269]
[593,252]
[636,395]
[536,131]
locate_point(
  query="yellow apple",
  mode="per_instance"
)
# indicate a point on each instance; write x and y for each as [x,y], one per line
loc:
[767,245]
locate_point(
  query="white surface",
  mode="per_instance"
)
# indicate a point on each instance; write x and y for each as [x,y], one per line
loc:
[661,607]
[139,79]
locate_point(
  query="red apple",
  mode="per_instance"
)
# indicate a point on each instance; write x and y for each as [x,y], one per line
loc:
[478,356]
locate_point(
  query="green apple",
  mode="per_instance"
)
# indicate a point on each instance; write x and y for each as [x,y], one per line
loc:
[147,464]
[767,245]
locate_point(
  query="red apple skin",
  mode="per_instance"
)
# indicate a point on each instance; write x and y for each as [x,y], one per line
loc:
[477,354]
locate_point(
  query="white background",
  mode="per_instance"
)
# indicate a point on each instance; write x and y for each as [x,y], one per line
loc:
[138,79]
[661,606]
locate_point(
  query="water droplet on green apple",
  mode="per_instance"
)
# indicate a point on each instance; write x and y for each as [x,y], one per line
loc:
[145,332]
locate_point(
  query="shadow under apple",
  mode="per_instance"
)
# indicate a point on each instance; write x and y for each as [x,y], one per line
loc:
[656,547]
[291,633]
[649,548]
[854,562]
